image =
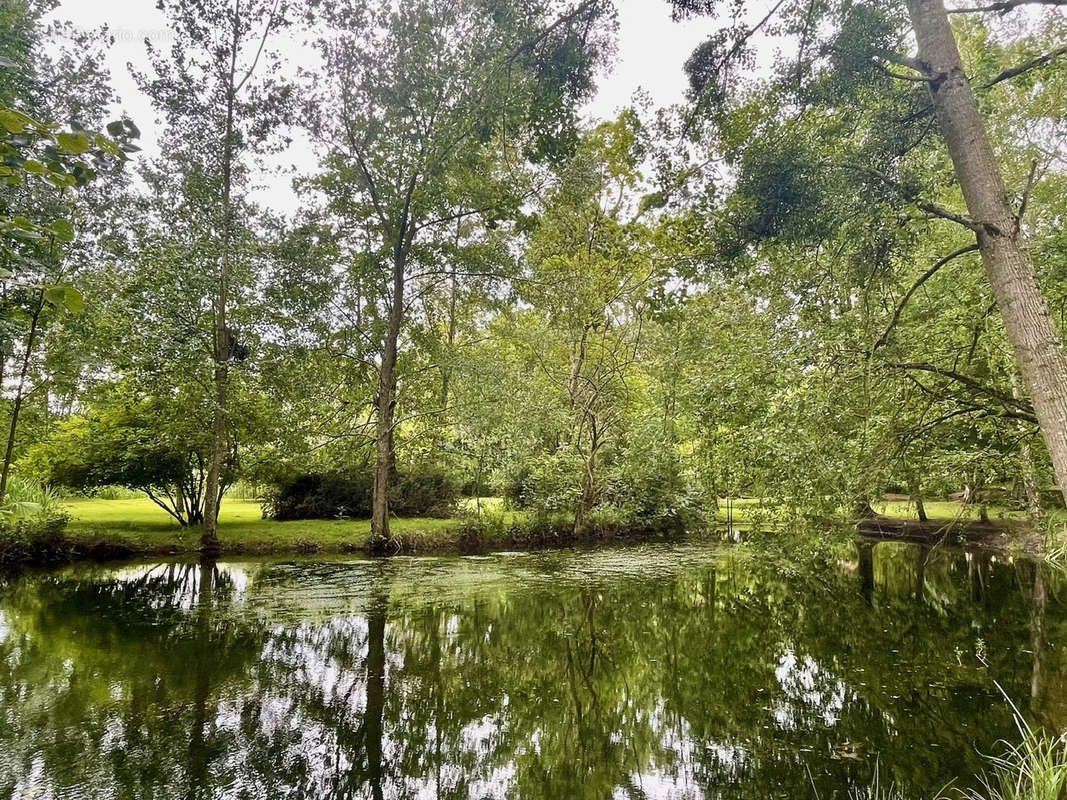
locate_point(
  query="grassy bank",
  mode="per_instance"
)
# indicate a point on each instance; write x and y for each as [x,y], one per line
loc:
[140,526]
[136,526]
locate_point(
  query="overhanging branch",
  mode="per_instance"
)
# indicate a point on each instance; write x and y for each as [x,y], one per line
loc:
[915,287]
[1005,6]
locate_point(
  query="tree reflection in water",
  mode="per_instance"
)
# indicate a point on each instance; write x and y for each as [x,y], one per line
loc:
[679,671]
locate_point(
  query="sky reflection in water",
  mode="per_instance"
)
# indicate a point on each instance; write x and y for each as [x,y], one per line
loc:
[684,671]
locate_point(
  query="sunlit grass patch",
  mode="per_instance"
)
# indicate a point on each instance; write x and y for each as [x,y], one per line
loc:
[140,525]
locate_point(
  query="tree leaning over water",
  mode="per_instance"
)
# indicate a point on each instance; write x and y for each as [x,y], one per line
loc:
[857,41]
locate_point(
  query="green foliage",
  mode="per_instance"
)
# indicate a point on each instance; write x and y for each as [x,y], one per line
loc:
[648,480]
[550,483]
[332,495]
[419,491]
[28,500]
[32,520]
[36,539]
[32,150]
[150,445]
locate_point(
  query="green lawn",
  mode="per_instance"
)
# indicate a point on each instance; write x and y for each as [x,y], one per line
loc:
[144,527]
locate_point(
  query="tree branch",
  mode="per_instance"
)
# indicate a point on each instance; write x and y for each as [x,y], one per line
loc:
[965,380]
[940,211]
[884,339]
[1026,66]
[1024,201]
[259,51]
[734,50]
[1005,6]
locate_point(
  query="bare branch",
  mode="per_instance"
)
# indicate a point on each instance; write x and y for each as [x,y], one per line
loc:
[904,61]
[259,51]
[940,211]
[1031,179]
[897,75]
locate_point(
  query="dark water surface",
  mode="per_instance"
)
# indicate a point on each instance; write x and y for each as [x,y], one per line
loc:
[666,671]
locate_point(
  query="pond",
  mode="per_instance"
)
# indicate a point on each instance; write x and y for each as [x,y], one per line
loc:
[655,671]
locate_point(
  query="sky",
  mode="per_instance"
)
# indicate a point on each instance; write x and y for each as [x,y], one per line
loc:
[652,49]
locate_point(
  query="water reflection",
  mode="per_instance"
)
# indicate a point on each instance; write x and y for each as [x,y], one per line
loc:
[660,672]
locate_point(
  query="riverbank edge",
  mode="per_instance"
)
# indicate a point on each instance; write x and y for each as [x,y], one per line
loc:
[464,538]
[468,537]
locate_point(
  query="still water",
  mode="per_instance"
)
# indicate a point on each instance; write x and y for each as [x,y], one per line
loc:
[666,671]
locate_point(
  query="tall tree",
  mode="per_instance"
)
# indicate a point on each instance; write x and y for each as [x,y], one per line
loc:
[432,106]
[997,226]
[591,274]
[221,95]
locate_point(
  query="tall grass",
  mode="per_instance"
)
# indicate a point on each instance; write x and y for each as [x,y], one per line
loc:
[27,499]
[1034,769]
[876,791]
[116,493]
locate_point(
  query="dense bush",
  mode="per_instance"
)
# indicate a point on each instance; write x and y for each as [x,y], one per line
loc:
[418,492]
[648,483]
[549,483]
[31,523]
[323,495]
[426,491]
[34,539]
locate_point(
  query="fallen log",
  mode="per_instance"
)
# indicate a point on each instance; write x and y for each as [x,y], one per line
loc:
[998,535]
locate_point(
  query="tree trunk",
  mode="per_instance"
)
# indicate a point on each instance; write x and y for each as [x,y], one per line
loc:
[1028,470]
[209,540]
[200,777]
[1030,489]
[20,396]
[1039,670]
[446,369]
[1034,338]
[384,467]
[589,493]
[917,498]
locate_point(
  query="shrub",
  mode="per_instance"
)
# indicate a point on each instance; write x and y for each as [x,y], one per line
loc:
[648,482]
[424,491]
[28,499]
[34,539]
[31,523]
[550,483]
[326,495]
[115,493]
[419,491]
